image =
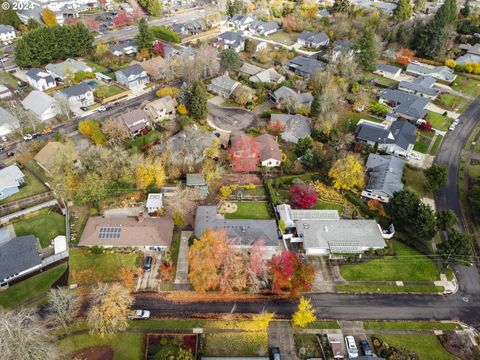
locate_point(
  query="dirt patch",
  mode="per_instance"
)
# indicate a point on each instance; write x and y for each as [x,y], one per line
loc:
[227,207]
[459,344]
[100,352]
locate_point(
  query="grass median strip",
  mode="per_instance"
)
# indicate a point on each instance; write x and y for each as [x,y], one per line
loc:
[390,289]
[410,325]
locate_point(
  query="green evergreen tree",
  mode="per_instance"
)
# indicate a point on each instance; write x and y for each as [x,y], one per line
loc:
[465,11]
[9,16]
[403,11]
[446,15]
[315,107]
[341,6]
[229,60]
[234,7]
[145,36]
[198,101]
[33,24]
[367,50]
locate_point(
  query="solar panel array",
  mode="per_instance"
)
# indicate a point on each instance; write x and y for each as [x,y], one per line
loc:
[109,233]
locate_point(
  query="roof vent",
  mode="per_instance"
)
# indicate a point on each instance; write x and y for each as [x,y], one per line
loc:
[326,228]
[244,229]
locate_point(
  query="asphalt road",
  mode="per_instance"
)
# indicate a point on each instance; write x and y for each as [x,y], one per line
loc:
[231,119]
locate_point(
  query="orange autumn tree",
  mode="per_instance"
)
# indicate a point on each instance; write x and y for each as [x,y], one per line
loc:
[405,56]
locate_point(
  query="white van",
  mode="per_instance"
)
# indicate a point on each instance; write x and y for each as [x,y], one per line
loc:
[352,350]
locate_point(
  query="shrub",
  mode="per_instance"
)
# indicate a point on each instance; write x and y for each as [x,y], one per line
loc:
[92,211]
[96,249]
[165,91]
[182,110]
[164,33]
[303,196]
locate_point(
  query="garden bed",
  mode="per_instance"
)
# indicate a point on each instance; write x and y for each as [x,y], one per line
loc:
[171,346]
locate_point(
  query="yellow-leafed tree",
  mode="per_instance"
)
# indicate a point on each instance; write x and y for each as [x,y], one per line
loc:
[88,127]
[347,173]
[48,17]
[182,109]
[150,174]
[305,314]
[165,91]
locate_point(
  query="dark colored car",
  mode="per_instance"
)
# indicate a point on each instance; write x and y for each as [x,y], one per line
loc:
[147,266]
[22,85]
[83,108]
[36,135]
[367,351]
[10,154]
[275,353]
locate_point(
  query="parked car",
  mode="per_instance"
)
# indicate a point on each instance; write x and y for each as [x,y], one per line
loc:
[367,351]
[47,130]
[22,85]
[36,135]
[451,127]
[10,154]
[414,156]
[4,59]
[275,353]
[147,266]
[102,108]
[352,350]
[456,122]
[139,314]
[27,137]
[83,108]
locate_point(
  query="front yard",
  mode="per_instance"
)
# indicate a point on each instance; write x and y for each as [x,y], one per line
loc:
[406,265]
[284,38]
[414,180]
[45,226]
[231,344]
[86,267]
[8,80]
[259,210]
[32,186]
[466,86]
[439,121]
[105,91]
[452,102]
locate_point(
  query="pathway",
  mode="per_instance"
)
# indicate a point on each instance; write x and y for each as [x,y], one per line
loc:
[181,277]
[323,281]
[280,334]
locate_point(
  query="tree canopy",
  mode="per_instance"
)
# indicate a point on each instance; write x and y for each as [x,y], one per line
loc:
[367,50]
[145,36]
[198,101]
[437,176]
[403,11]
[229,60]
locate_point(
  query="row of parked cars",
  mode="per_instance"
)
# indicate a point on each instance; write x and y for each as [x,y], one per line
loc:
[352,349]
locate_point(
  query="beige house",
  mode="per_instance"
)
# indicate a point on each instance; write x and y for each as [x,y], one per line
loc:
[161,109]
[46,157]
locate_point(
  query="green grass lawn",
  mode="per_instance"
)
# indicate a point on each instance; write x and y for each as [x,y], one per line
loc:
[251,210]
[348,120]
[258,191]
[382,80]
[407,265]
[86,267]
[96,67]
[421,145]
[436,145]
[438,121]
[425,346]
[466,86]
[126,346]
[474,172]
[232,344]
[144,140]
[307,346]
[413,179]
[390,289]
[32,186]
[323,325]
[452,102]
[45,227]
[175,246]
[410,325]
[31,287]
[322,205]
[33,167]
[8,80]
[105,91]
[284,37]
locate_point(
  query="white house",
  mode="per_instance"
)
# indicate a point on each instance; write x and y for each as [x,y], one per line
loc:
[231,40]
[8,122]
[7,33]
[240,22]
[11,178]
[269,151]
[77,96]
[154,202]
[41,105]
[132,77]
[40,80]
[388,71]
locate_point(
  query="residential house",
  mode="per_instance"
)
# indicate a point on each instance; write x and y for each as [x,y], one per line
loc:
[384,173]
[187,147]
[294,127]
[249,69]
[342,47]
[189,28]
[441,73]
[7,33]
[41,105]
[313,40]
[8,123]
[223,85]
[241,233]
[146,233]
[134,121]
[5,92]
[277,96]
[127,47]
[263,28]
[11,178]
[161,109]
[240,22]
[269,151]
[154,202]
[388,71]
[269,75]
[77,96]
[470,54]
[19,257]
[198,181]
[289,215]
[40,79]
[132,77]
[404,105]
[151,66]
[304,66]
[48,155]
[231,40]
[421,86]
[385,8]
[69,66]
[398,138]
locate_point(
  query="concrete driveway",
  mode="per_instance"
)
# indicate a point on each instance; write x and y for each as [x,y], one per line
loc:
[230,118]
[148,280]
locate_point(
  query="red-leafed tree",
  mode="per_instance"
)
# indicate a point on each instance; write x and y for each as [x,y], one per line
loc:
[405,56]
[257,273]
[91,23]
[275,127]
[302,196]
[289,273]
[244,154]
[158,48]
[426,126]
[122,18]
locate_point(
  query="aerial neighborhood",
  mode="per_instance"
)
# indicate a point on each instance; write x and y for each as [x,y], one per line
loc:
[252,179]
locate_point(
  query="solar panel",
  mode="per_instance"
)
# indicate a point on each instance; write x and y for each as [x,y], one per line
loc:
[109,232]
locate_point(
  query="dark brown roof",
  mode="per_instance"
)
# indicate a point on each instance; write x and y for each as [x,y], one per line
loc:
[268,147]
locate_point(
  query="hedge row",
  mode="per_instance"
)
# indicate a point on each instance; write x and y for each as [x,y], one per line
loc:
[164,33]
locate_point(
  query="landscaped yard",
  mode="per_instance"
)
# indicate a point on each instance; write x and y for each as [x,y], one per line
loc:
[258,191]
[421,145]
[86,267]
[348,120]
[452,102]
[407,265]
[32,287]
[33,167]
[284,37]
[425,346]
[251,210]
[32,186]
[125,345]
[248,344]
[439,121]
[390,289]
[96,67]
[466,86]
[105,91]
[45,226]
[307,346]
[144,140]
[322,205]
[414,179]
[410,325]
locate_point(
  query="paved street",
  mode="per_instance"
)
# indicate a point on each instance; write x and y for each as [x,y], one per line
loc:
[230,119]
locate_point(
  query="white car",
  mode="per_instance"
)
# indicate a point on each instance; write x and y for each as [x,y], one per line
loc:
[27,137]
[102,108]
[352,350]
[451,127]
[414,156]
[4,59]
[139,314]
[456,122]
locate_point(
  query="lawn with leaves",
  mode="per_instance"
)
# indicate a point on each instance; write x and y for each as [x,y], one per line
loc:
[8,80]
[439,121]
[32,186]
[410,325]
[452,102]
[231,344]
[407,265]
[284,37]
[45,226]
[414,179]
[348,120]
[258,210]
[390,289]
[470,87]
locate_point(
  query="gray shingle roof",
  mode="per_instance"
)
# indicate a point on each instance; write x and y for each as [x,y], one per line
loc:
[262,26]
[37,74]
[6,28]
[400,133]
[76,90]
[422,84]
[18,254]
[388,68]
[239,231]
[405,103]
[9,177]
[314,37]
[268,147]
[132,70]
[293,126]
[123,45]
[438,72]
[385,173]
[231,36]
[37,102]
[7,119]
[223,83]
[305,65]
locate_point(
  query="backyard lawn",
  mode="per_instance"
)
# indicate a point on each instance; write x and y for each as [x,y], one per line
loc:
[86,267]
[8,80]
[105,91]
[382,80]
[31,287]
[35,169]
[251,210]
[258,191]
[425,346]
[349,120]
[96,67]
[32,186]
[45,226]
[413,179]
[140,141]
[407,265]
[284,37]
[452,102]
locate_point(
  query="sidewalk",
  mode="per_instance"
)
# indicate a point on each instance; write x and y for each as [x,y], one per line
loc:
[181,276]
